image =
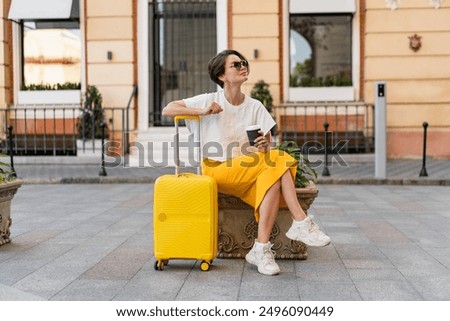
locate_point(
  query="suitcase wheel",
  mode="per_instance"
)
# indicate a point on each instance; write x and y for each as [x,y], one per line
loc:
[160,264]
[204,266]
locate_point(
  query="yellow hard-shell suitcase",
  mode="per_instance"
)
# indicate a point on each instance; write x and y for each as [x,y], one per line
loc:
[185,216]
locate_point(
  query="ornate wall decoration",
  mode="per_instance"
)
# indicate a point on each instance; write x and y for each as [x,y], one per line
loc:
[393,4]
[415,42]
[435,3]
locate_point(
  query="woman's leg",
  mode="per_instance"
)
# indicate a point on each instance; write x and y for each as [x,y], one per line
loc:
[303,228]
[268,211]
[290,196]
[261,253]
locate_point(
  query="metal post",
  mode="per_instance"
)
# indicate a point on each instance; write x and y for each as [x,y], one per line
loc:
[11,155]
[127,115]
[423,171]
[102,170]
[325,171]
[380,130]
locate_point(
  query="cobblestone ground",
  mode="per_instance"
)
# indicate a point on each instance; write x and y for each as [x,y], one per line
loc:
[95,242]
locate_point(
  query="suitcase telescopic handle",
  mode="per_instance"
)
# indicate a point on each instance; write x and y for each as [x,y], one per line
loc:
[177,142]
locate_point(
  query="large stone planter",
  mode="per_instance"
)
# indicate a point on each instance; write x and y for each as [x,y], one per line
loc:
[7,192]
[238,228]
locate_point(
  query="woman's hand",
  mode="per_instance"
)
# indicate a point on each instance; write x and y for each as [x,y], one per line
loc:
[215,108]
[262,142]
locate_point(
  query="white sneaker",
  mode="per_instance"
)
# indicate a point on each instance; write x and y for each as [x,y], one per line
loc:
[263,257]
[308,232]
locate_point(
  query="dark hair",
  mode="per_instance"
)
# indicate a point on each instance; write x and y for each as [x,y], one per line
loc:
[216,66]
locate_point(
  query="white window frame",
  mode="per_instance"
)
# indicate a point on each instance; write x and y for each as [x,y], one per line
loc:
[46,97]
[322,93]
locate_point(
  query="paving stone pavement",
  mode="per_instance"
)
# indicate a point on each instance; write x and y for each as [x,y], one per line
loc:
[73,239]
[95,242]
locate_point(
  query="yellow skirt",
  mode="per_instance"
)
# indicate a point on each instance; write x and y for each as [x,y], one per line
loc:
[249,177]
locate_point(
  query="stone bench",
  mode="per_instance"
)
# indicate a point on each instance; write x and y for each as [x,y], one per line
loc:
[238,228]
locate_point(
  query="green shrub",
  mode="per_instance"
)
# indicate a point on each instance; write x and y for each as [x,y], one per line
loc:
[89,123]
[261,92]
[305,172]
[65,86]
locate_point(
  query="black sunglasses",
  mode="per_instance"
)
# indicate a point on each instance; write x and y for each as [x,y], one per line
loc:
[239,64]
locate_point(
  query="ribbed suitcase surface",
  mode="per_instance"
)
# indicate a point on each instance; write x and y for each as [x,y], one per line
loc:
[185,219]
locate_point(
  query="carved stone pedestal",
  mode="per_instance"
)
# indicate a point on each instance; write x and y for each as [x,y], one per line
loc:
[238,228]
[7,192]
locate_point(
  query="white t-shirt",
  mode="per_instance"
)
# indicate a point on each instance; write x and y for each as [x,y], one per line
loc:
[223,135]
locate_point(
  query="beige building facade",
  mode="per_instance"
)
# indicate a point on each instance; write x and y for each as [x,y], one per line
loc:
[418,81]
[124,43]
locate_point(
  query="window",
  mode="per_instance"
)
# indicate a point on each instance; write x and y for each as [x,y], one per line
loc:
[323,50]
[48,52]
[320,50]
[51,55]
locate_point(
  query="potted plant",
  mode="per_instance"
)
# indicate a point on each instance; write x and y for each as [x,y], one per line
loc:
[304,178]
[89,123]
[238,228]
[305,172]
[261,92]
[9,185]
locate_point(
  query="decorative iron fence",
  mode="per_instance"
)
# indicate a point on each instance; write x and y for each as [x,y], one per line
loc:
[62,130]
[350,126]
[65,129]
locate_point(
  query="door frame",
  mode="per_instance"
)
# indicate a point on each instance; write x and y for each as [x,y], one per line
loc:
[144,51]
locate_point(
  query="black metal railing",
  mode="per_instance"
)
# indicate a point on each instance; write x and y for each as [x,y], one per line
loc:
[350,126]
[61,130]
[65,129]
